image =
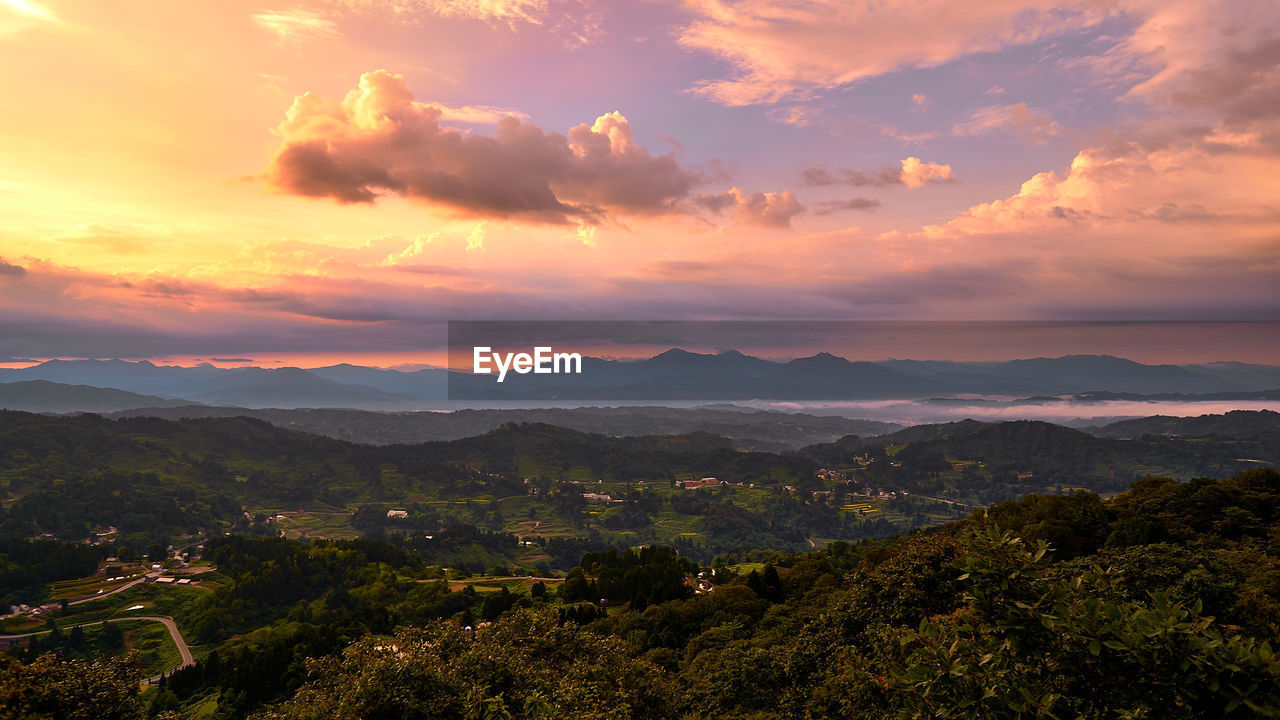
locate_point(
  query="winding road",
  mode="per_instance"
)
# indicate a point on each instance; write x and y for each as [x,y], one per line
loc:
[122,588]
[183,649]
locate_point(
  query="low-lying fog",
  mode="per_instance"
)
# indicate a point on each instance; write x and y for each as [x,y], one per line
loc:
[1063,412]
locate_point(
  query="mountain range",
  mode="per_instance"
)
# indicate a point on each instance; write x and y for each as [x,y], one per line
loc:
[675,375]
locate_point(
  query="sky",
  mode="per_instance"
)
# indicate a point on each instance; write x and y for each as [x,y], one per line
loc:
[336,179]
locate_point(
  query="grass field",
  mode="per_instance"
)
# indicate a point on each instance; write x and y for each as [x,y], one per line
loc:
[176,602]
[69,589]
[313,524]
[152,641]
[157,652]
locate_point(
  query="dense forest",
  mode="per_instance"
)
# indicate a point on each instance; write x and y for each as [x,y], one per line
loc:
[1162,601]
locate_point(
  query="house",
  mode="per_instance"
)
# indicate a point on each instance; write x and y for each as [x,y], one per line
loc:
[700,483]
[398,514]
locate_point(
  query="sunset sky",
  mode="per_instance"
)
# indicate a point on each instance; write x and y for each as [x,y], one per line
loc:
[317,181]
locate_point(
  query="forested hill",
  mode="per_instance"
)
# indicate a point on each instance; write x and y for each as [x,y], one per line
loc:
[1234,424]
[1033,449]
[755,429]
[1162,602]
[71,475]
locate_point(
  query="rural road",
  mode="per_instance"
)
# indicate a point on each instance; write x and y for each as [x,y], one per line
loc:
[122,588]
[942,500]
[183,650]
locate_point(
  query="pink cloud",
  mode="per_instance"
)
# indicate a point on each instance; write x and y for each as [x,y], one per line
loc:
[780,49]
[1034,126]
[379,140]
[759,209]
[916,173]
[1126,226]
[912,172]
[576,21]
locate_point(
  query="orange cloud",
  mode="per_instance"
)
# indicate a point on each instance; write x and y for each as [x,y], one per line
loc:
[1127,226]
[780,49]
[916,172]
[379,140]
[913,173]
[759,209]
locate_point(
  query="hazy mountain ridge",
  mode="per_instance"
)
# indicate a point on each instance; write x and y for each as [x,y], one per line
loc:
[759,430]
[46,396]
[672,375]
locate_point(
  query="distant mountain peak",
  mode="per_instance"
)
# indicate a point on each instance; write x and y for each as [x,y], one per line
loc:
[676,353]
[824,357]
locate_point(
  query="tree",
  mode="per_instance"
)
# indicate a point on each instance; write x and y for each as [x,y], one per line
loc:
[524,665]
[75,640]
[1028,644]
[111,637]
[56,688]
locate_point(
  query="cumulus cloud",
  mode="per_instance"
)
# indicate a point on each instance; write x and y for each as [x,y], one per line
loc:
[379,140]
[912,172]
[760,209]
[916,172]
[1031,125]
[1129,221]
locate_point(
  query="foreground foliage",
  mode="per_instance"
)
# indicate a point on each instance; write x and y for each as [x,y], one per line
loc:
[1160,603]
